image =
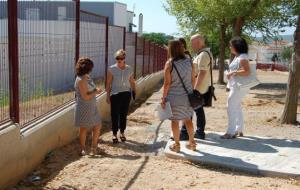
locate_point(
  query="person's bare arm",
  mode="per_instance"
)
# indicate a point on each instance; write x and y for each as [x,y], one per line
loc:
[108,86]
[167,82]
[244,71]
[132,83]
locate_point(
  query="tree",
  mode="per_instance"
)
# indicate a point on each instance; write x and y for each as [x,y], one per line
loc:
[286,54]
[158,38]
[289,115]
[235,17]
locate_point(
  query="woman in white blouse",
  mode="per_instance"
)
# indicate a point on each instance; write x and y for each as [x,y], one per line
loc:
[239,69]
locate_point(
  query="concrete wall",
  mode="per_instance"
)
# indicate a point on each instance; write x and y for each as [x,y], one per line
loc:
[22,151]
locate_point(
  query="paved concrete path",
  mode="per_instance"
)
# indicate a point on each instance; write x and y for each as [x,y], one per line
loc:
[258,155]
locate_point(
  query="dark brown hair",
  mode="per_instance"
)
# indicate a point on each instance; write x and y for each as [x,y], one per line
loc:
[183,42]
[84,66]
[175,50]
[239,44]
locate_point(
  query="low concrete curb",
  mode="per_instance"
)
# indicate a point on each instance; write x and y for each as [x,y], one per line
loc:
[256,155]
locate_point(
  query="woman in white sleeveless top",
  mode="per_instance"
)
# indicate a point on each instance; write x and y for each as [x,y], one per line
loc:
[238,68]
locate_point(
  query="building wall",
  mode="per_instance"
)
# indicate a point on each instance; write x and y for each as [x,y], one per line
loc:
[47,10]
[101,8]
[120,14]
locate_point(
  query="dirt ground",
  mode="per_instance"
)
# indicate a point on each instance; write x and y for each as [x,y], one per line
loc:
[141,164]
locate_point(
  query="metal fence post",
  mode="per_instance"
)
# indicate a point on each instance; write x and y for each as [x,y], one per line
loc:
[13,57]
[144,47]
[135,52]
[149,58]
[77,29]
[154,60]
[106,48]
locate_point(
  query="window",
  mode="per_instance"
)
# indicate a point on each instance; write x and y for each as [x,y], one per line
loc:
[62,13]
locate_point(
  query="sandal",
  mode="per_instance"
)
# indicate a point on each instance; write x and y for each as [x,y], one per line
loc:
[115,140]
[228,136]
[175,147]
[191,146]
[123,138]
[95,151]
[82,152]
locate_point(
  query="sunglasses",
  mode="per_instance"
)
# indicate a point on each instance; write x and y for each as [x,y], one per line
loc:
[120,58]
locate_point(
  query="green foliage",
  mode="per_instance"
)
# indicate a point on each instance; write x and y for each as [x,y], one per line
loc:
[207,16]
[4,98]
[158,38]
[39,91]
[287,54]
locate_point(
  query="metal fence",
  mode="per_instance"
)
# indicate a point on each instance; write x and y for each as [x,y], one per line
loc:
[46,60]
[38,53]
[139,57]
[93,42]
[4,77]
[116,41]
[130,47]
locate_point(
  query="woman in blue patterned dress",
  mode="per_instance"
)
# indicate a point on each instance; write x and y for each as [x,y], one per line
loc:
[86,112]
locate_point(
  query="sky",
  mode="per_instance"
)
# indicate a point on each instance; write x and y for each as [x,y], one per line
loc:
[156,19]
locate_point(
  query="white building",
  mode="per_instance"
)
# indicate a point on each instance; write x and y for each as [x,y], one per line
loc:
[116,11]
[263,53]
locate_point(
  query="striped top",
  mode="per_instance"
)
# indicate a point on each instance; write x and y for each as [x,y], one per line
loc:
[177,96]
[184,67]
[120,82]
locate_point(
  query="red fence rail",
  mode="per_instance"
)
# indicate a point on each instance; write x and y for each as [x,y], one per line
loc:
[38,52]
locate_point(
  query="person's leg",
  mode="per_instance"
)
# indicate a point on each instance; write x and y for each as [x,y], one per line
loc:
[240,117]
[124,107]
[175,131]
[201,122]
[115,110]
[233,103]
[96,134]
[190,129]
[82,138]
[184,133]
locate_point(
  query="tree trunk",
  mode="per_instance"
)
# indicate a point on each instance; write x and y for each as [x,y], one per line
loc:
[237,26]
[222,54]
[289,115]
[239,22]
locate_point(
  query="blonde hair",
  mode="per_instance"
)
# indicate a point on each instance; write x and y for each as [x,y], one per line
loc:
[120,53]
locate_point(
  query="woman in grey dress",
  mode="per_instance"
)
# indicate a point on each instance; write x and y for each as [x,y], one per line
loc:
[86,113]
[174,92]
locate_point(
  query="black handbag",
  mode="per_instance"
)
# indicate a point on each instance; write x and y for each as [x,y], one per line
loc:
[195,98]
[210,94]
